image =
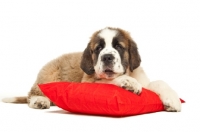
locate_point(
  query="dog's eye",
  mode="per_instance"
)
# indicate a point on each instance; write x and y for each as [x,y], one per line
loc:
[118,46]
[98,48]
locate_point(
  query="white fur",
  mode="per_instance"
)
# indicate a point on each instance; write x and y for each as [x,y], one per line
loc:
[108,35]
[9,100]
[133,81]
[125,81]
[36,100]
[137,80]
[128,83]
[167,95]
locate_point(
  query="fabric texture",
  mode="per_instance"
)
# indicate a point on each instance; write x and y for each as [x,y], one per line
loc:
[101,99]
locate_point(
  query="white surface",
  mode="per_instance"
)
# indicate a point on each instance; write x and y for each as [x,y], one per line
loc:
[20,118]
[34,32]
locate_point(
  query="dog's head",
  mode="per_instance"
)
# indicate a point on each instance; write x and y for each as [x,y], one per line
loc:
[110,53]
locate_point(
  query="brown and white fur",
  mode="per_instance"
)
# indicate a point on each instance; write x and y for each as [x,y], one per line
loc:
[111,57]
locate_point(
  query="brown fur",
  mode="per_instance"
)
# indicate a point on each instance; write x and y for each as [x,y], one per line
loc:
[64,68]
[70,67]
[79,67]
[20,100]
[131,55]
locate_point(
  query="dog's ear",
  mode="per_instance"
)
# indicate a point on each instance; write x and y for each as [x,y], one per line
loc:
[134,56]
[86,61]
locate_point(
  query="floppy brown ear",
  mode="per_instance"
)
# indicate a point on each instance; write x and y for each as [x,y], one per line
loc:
[134,56]
[87,62]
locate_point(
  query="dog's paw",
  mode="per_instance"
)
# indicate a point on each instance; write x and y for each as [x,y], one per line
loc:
[39,102]
[171,102]
[167,95]
[131,84]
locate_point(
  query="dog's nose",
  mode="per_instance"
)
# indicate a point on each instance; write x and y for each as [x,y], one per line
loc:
[107,58]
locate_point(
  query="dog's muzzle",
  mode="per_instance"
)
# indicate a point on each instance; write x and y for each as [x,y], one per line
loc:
[107,59]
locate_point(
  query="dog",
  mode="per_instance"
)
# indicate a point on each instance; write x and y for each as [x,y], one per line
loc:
[111,57]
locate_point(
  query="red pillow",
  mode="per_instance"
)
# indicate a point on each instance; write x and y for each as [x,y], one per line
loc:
[101,99]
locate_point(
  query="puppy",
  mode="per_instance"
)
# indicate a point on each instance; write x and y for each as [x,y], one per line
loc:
[112,57]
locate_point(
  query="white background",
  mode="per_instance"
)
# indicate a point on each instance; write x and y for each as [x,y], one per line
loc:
[35,32]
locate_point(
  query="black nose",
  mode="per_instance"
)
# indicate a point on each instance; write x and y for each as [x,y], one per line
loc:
[107,58]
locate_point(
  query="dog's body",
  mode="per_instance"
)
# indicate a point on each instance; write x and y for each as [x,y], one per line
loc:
[110,57]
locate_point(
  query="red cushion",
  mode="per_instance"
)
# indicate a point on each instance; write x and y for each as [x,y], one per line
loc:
[101,99]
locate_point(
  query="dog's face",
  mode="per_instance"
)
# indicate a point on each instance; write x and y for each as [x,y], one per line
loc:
[110,53]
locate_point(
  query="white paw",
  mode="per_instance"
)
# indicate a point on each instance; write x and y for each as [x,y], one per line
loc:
[167,95]
[39,102]
[131,84]
[171,102]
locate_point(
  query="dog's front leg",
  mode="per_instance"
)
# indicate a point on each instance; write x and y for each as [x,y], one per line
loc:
[128,83]
[167,95]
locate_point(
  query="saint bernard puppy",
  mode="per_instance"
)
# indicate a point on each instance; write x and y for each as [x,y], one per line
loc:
[111,56]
